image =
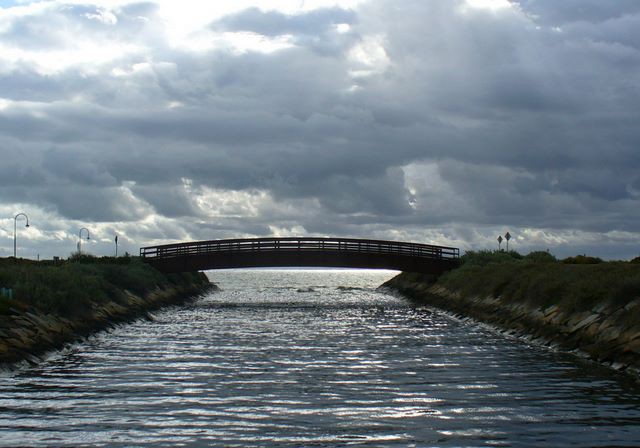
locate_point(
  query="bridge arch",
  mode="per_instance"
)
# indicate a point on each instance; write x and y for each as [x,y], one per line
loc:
[301,252]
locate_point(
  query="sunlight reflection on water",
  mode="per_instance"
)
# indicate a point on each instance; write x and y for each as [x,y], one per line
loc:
[313,358]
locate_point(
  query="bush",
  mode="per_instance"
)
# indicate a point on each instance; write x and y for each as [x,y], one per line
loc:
[627,288]
[73,287]
[582,259]
[81,258]
[485,257]
[540,280]
[540,257]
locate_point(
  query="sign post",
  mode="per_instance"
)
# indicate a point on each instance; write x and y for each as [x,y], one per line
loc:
[499,242]
[507,237]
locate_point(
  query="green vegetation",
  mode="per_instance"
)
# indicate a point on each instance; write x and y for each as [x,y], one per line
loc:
[582,259]
[574,284]
[72,288]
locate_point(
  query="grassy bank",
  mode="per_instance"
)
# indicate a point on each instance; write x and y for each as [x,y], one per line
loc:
[580,303]
[574,284]
[73,287]
[51,304]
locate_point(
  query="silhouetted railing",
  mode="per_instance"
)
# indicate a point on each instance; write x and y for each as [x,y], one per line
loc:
[293,244]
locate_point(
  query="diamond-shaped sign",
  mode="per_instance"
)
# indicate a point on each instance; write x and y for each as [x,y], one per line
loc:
[508,236]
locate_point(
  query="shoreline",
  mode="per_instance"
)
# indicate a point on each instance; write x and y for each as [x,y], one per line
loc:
[605,334]
[28,334]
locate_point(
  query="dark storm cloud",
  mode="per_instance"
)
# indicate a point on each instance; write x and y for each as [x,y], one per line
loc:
[13,174]
[90,203]
[93,204]
[78,168]
[349,193]
[170,201]
[522,124]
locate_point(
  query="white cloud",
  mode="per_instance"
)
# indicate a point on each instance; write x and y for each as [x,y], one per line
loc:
[103,16]
[368,57]
[492,5]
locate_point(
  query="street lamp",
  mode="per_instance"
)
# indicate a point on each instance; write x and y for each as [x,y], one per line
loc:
[15,228]
[80,239]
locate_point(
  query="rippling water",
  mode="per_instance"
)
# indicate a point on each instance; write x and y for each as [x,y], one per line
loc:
[313,358]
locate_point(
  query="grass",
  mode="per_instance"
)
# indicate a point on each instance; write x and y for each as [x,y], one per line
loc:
[574,284]
[72,287]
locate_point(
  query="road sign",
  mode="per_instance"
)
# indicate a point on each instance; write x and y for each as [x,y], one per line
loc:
[507,237]
[499,239]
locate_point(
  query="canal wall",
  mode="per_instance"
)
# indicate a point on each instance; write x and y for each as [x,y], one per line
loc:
[27,333]
[608,332]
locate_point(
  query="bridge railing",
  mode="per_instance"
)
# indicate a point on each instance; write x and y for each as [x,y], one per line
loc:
[291,244]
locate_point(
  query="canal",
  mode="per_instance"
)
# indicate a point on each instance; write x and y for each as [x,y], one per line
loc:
[313,358]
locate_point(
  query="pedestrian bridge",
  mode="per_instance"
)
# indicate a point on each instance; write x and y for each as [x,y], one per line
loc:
[301,252]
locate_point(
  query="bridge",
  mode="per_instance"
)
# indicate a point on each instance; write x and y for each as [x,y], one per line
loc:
[301,252]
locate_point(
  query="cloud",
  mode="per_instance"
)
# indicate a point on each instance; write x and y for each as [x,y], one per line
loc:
[274,23]
[568,11]
[324,30]
[420,120]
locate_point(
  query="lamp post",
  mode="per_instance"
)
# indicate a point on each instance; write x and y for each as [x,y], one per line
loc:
[15,229]
[80,239]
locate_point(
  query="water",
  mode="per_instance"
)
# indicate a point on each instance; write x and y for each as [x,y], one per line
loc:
[313,358]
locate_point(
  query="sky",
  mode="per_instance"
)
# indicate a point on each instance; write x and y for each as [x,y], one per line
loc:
[445,122]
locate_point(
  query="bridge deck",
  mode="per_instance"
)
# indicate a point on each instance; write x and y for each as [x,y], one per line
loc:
[303,252]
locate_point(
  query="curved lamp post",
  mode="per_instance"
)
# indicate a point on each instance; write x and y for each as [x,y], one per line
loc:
[15,229]
[80,239]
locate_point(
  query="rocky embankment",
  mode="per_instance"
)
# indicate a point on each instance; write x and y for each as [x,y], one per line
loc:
[27,332]
[608,332]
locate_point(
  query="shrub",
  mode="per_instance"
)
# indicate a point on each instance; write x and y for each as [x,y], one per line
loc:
[540,257]
[582,259]
[625,286]
[74,286]
[485,257]
[572,286]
